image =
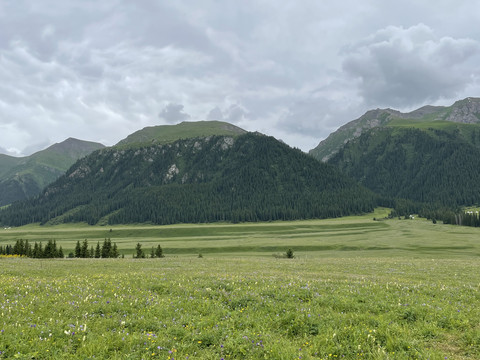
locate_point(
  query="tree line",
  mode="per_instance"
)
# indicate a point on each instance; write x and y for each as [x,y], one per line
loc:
[82,250]
[107,250]
[38,251]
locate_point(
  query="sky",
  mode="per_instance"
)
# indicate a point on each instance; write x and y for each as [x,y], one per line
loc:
[295,70]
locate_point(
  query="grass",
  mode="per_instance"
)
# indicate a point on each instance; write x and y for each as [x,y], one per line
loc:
[343,237]
[165,134]
[357,289]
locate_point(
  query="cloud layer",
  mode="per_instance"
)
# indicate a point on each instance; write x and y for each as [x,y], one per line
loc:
[102,70]
[400,67]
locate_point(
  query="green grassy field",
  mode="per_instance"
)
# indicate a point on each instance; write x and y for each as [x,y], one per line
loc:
[343,237]
[357,289]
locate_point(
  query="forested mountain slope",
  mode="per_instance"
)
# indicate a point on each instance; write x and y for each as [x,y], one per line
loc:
[433,165]
[249,177]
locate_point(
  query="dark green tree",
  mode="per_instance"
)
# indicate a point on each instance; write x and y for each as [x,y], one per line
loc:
[139,252]
[28,249]
[114,252]
[36,251]
[106,248]
[98,252]
[78,249]
[159,252]
[84,249]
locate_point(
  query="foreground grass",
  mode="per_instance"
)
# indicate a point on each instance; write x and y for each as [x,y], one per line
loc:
[239,307]
[357,289]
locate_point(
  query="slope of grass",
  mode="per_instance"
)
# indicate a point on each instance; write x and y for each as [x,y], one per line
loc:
[164,134]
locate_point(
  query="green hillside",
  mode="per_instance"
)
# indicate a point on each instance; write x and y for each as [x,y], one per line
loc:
[164,134]
[465,111]
[250,177]
[23,177]
[437,165]
[7,162]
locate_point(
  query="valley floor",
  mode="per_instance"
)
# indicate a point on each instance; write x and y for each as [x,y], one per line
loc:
[356,289]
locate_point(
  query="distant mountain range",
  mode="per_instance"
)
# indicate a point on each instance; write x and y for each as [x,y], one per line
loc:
[236,177]
[23,177]
[430,156]
[425,161]
[465,111]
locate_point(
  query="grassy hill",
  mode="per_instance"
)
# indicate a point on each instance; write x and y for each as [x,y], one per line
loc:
[23,177]
[164,134]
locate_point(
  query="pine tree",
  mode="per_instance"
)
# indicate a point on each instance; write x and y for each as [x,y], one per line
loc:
[106,248]
[139,252]
[78,250]
[60,253]
[152,253]
[159,252]
[84,249]
[115,251]
[98,252]
[35,252]
[28,249]
[40,250]
[49,251]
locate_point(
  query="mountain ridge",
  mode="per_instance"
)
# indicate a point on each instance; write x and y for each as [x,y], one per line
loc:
[249,177]
[466,111]
[22,177]
[162,134]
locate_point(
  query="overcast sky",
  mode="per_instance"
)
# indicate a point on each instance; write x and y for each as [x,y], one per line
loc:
[296,70]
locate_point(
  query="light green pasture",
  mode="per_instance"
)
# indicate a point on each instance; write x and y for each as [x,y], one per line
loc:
[240,307]
[357,289]
[343,237]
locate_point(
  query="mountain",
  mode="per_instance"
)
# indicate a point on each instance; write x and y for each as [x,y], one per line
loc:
[22,177]
[436,165]
[465,111]
[248,177]
[164,134]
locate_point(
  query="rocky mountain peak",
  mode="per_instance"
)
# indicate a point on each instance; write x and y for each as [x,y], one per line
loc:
[465,111]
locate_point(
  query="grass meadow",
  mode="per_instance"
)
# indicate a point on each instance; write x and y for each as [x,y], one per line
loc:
[356,289]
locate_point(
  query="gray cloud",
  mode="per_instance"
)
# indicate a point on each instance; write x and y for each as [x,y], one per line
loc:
[402,67]
[84,69]
[173,113]
[215,114]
